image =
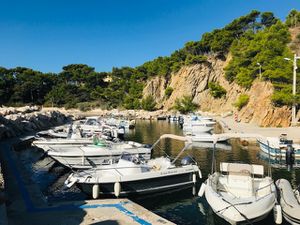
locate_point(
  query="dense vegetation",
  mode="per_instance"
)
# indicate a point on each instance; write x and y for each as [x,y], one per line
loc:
[216,90]
[185,104]
[254,39]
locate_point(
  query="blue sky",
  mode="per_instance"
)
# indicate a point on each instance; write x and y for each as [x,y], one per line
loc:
[48,34]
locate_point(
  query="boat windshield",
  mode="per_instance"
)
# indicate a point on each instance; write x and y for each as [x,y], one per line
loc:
[130,158]
[91,122]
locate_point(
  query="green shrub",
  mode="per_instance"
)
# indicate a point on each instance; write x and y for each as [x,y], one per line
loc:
[242,101]
[148,103]
[195,59]
[168,91]
[216,90]
[185,104]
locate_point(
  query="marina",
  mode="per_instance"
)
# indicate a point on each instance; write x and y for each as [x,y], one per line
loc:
[142,113]
[48,177]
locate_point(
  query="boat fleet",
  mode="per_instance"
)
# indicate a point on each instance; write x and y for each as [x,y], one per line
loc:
[103,163]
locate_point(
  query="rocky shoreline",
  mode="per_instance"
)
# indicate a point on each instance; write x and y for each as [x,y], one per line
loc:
[17,121]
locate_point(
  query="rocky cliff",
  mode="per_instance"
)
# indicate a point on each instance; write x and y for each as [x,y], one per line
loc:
[193,80]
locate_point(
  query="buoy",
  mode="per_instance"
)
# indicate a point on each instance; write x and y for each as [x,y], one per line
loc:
[117,189]
[202,189]
[95,191]
[194,178]
[277,214]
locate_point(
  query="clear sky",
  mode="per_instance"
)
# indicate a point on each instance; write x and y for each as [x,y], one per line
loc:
[48,34]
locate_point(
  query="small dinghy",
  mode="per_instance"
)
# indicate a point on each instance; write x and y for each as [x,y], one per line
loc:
[289,201]
[132,176]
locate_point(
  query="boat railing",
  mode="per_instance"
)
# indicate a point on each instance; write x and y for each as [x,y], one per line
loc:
[264,187]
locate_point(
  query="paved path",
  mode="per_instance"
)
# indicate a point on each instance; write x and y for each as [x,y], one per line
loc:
[230,126]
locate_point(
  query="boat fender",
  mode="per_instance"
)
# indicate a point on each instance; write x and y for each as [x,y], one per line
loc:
[117,189]
[194,178]
[202,190]
[200,174]
[95,191]
[277,214]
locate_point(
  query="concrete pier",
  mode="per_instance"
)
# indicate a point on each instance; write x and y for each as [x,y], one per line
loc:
[27,205]
[229,125]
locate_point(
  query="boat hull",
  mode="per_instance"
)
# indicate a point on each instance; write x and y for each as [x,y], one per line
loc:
[288,201]
[275,152]
[255,211]
[142,186]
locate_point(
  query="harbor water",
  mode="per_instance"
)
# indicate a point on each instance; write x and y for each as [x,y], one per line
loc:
[183,207]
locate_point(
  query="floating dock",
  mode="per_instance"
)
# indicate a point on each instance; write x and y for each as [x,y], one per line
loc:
[27,205]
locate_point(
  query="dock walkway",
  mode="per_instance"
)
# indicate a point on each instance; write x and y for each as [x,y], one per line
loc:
[229,125]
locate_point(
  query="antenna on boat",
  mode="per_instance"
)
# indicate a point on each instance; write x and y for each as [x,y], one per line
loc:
[269,160]
[213,164]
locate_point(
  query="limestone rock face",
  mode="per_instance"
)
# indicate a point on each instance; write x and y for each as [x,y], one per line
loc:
[156,87]
[193,80]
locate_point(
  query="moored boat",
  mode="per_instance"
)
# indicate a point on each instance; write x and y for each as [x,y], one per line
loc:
[239,192]
[277,146]
[132,176]
[102,153]
[289,201]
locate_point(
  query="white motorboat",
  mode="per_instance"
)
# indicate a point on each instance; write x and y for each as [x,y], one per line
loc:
[206,137]
[277,146]
[91,124]
[103,153]
[76,138]
[57,132]
[173,118]
[195,124]
[209,145]
[289,201]
[127,124]
[240,193]
[131,176]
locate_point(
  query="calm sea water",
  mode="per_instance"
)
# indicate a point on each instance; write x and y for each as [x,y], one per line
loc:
[181,207]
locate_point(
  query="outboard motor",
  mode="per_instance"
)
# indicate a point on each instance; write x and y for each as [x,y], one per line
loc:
[70,131]
[121,133]
[290,157]
[181,121]
[187,161]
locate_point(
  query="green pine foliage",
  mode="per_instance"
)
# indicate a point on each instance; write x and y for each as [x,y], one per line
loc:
[168,91]
[216,90]
[267,47]
[148,103]
[251,39]
[242,101]
[185,104]
[293,19]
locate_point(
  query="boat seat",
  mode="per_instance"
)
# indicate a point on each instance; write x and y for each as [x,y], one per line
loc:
[238,182]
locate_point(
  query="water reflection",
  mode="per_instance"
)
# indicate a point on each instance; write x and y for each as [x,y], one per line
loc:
[180,207]
[183,207]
